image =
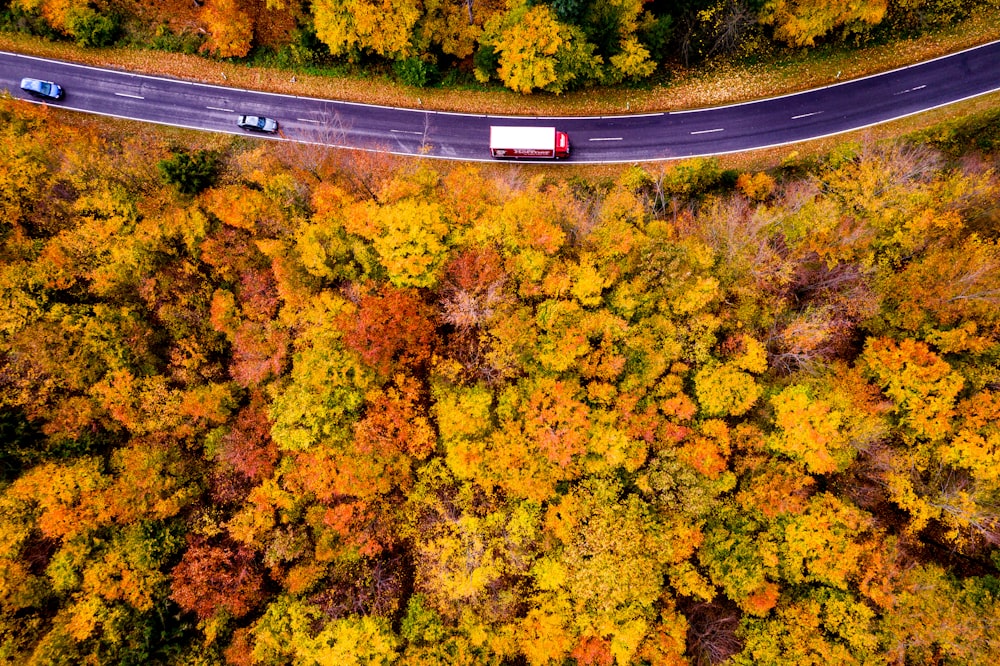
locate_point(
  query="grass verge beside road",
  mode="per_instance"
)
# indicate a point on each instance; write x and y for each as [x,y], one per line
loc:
[687,88]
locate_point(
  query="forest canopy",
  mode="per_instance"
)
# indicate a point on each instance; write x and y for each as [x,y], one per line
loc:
[275,404]
[525,45]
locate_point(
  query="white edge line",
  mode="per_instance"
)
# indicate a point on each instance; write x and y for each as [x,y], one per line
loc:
[637,115]
[811,138]
[846,81]
[491,160]
[457,113]
[500,115]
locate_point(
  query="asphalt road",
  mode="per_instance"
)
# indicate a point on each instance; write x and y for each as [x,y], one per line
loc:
[627,138]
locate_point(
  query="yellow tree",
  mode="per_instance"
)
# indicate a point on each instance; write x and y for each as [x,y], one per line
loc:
[947,285]
[741,558]
[821,626]
[935,617]
[527,40]
[800,22]
[953,480]
[463,421]
[922,385]
[472,549]
[57,13]
[809,431]
[23,174]
[291,630]
[451,25]
[321,399]
[603,582]
[412,242]
[633,62]
[230,29]
[823,544]
[723,389]
[541,438]
[383,27]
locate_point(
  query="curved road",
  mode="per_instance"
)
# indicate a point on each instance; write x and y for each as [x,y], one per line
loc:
[628,138]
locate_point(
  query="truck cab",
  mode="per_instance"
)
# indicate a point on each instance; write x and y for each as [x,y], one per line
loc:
[562,145]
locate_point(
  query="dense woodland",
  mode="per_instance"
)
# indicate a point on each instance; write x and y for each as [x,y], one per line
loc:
[271,404]
[526,45]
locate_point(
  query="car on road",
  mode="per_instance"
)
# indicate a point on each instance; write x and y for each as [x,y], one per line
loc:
[42,88]
[258,124]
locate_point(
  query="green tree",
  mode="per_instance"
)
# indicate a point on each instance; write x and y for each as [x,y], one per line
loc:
[190,173]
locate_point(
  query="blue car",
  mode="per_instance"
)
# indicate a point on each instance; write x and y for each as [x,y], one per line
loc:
[42,88]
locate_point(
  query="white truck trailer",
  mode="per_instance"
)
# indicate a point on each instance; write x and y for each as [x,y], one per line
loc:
[532,142]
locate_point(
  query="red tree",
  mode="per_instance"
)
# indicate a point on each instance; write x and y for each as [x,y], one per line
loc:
[247,447]
[212,578]
[392,327]
[472,287]
[260,352]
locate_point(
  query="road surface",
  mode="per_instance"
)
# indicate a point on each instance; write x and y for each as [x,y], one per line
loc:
[769,122]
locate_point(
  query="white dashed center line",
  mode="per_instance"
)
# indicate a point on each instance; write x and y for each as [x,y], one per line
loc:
[718,129]
[405,132]
[309,120]
[219,108]
[132,96]
[606,138]
[806,115]
[903,92]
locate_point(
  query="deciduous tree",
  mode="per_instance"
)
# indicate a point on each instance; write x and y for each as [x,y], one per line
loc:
[392,328]
[801,22]
[383,27]
[212,578]
[230,29]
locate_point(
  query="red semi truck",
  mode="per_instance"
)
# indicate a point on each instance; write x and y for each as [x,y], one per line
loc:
[537,142]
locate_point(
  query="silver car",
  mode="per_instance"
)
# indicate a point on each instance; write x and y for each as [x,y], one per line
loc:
[42,88]
[258,123]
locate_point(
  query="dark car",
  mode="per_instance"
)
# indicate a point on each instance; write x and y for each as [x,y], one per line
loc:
[42,88]
[258,124]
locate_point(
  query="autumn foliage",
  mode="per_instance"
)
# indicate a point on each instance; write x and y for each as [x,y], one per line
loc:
[210,579]
[551,46]
[482,416]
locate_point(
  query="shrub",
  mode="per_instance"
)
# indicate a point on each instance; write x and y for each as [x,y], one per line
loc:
[415,72]
[90,28]
[190,173]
